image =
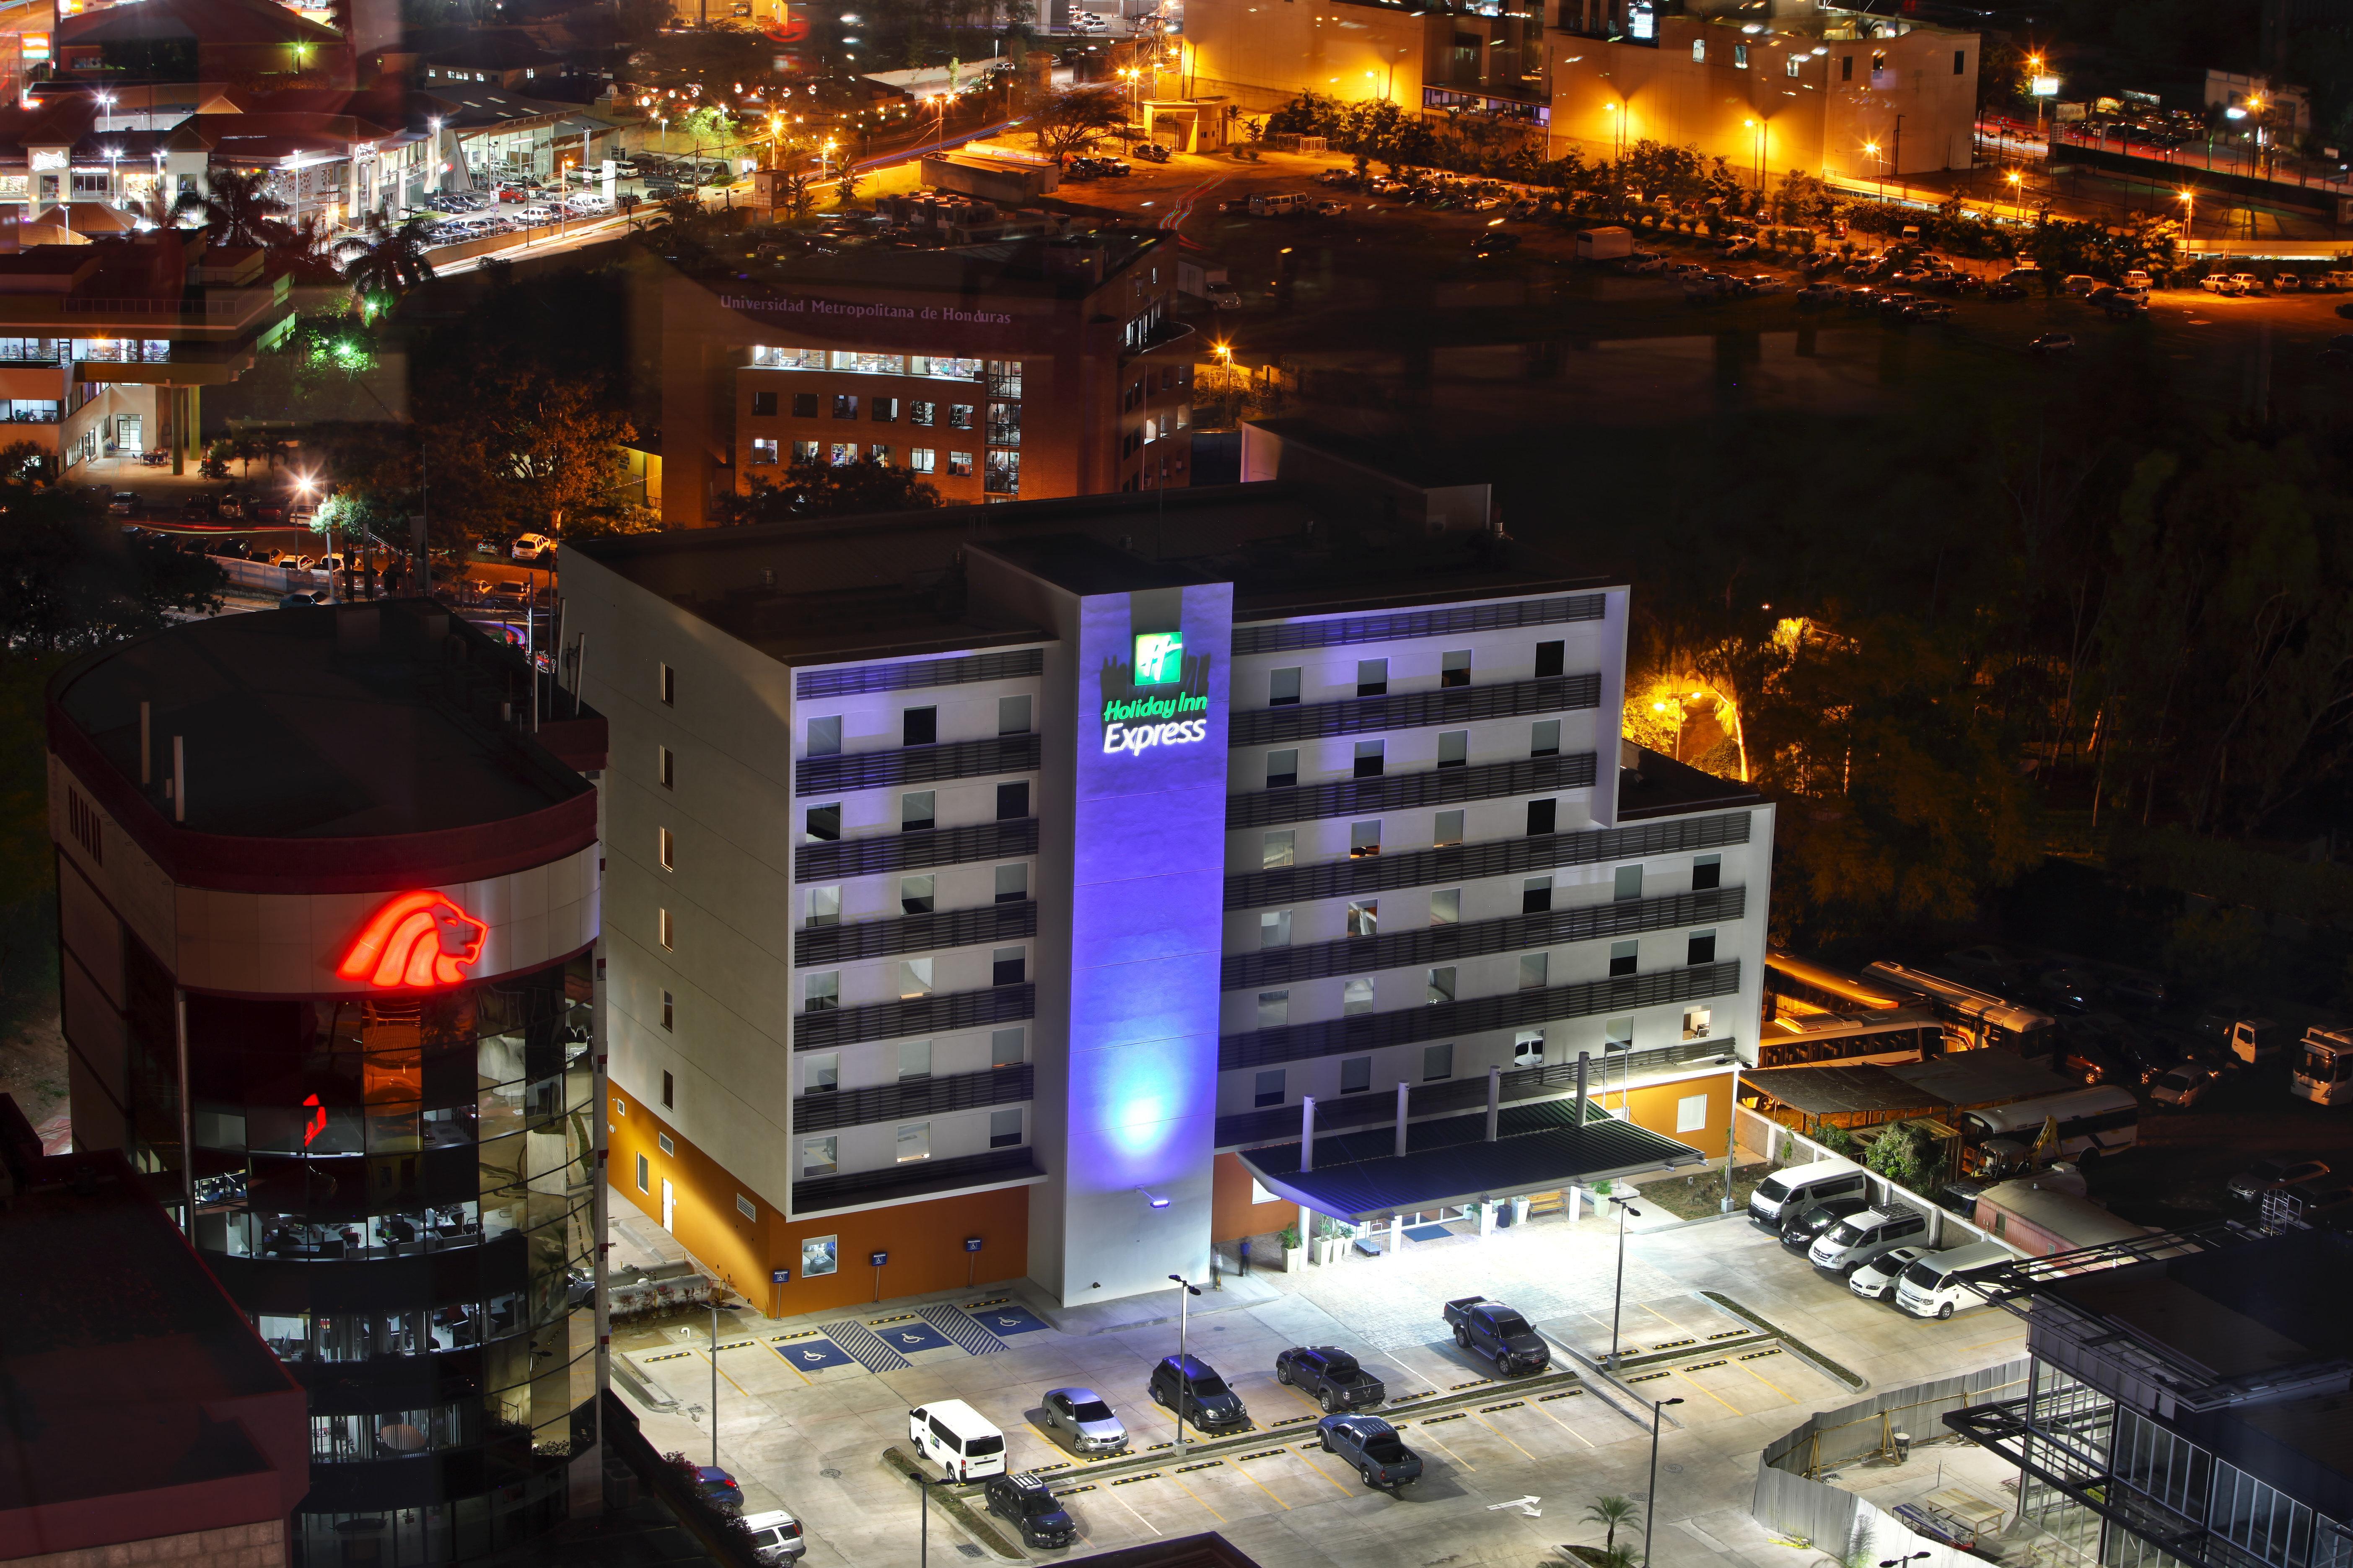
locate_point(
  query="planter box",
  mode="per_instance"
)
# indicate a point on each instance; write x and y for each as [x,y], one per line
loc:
[1294,1258]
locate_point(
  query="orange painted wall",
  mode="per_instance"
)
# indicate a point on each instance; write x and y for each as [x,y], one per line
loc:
[1232,1216]
[1654,1109]
[925,1240]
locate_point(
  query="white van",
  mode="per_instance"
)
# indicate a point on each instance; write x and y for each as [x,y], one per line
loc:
[1786,1193]
[1278,204]
[954,1435]
[1856,1240]
[1929,1290]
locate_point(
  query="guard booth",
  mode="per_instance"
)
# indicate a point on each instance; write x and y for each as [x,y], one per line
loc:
[1188,124]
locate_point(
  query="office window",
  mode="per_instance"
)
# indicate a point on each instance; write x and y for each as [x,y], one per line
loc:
[1535,895]
[1005,1128]
[1009,967]
[919,726]
[818,1159]
[1628,883]
[914,1141]
[1372,677]
[764,452]
[1699,49]
[1707,871]
[670,1092]
[1356,1074]
[821,1073]
[921,459]
[1846,67]
[1007,1049]
[1535,969]
[1370,756]
[666,763]
[804,404]
[1960,62]
[1445,829]
[914,978]
[1013,715]
[669,936]
[644,1174]
[1282,688]
[1273,1009]
[1544,738]
[923,413]
[916,894]
[1278,848]
[1273,928]
[824,822]
[1551,658]
[1268,1089]
[1363,839]
[1623,956]
[1440,985]
[883,410]
[1364,917]
[1013,800]
[665,847]
[669,1011]
[841,453]
[1700,949]
[879,452]
[743,1206]
[1356,995]
[1012,883]
[1616,1035]
[821,991]
[824,905]
[915,811]
[1446,906]
[1453,748]
[661,1141]
[914,1060]
[1527,1048]
[845,405]
[1454,668]
[1878,61]
[1691,1113]
[804,452]
[668,687]
[959,465]
[1696,1022]
[1437,1061]
[824,736]
[960,415]
[1281,769]
[1542,815]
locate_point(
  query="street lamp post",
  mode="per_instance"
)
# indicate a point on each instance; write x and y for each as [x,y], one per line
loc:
[1617,1295]
[1651,1500]
[924,1485]
[1758,127]
[714,1294]
[1871,150]
[2188,220]
[1186,1291]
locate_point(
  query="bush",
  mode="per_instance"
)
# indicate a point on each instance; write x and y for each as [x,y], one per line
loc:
[1839,1141]
[1904,1154]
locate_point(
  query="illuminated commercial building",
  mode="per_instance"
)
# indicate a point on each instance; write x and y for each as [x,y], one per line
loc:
[328,903]
[990,890]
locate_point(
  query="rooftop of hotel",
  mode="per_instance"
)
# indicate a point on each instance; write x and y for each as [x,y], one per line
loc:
[1038,267]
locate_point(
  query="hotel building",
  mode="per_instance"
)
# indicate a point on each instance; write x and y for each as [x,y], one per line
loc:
[990,893]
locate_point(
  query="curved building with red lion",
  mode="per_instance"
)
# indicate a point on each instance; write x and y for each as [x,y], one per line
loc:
[328,893]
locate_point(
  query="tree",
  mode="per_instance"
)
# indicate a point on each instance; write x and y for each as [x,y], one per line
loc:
[1069,121]
[1906,1154]
[846,188]
[800,200]
[1611,1512]
[239,209]
[69,582]
[525,447]
[386,259]
[830,490]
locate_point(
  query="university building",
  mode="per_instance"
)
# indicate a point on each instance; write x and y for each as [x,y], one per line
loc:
[1060,891]
[1018,370]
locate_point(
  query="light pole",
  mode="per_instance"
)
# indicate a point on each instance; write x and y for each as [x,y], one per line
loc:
[924,1485]
[1186,1292]
[1907,1557]
[1758,127]
[1651,1500]
[714,1297]
[1617,1297]
[2188,221]
[1871,148]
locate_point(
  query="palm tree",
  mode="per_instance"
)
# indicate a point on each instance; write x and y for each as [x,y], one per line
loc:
[307,246]
[1610,1512]
[238,206]
[387,259]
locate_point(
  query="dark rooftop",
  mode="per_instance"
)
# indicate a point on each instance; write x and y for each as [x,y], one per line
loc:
[1654,785]
[1961,1079]
[1087,566]
[1397,450]
[1068,269]
[354,722]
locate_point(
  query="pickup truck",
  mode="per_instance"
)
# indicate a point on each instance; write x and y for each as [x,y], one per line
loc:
[1331,1375]
[1492,1329]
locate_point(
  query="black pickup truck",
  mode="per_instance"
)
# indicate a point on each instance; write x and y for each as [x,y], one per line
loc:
[1331,1375]
[1492,1329]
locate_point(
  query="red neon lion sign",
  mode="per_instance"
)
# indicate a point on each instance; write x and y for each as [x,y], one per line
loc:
[415,943]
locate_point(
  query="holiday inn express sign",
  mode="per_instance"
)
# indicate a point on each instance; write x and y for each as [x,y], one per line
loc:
[1160,699]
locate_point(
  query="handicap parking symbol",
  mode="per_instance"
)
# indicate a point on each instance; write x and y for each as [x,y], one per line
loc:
[812,1356]
[909,1338]
[1007,1322]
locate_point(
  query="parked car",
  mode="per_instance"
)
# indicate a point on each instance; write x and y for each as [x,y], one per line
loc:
[532,547]
[1862,1236]
[717,1488]
[1093,1426]
[1373,1446]
[1491,1330]
[1222,295]
[1798,1235]
[1875,1280]
[1191,1387]
[777,1537]
[1790,1190]
[122,503]
[2250,1184]
[2184,1085]
[1330,1377]
[1030,1506]
[2052,343]
[957,1438]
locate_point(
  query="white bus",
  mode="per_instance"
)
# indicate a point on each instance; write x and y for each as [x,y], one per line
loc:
[2090,1123]
[1974,1018]
[2324,1067]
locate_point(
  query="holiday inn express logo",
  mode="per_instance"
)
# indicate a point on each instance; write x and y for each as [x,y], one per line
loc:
[1159,659]
[1161,700]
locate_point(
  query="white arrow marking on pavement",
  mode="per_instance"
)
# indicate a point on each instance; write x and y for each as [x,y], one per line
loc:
[1526,1505]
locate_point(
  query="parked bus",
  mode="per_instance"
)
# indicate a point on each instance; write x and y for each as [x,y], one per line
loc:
[1817,1013]
[2001,1140]
[1973,1018]
[2324,1067]
[1794,985]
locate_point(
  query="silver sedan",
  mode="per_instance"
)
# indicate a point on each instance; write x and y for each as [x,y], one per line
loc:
[1083,1413]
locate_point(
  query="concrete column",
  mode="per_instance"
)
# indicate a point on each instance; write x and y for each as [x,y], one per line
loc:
[1306,1233]
[1404,1092]
[1306,1133]
[1576,1198]
[1396,1232]
[1486,1217]
[1494,1101]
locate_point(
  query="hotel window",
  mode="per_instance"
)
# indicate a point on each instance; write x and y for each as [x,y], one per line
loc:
[1446,830]
[1008,965]
[644,1176]
[1740,56]
[1364,917]
[1281,769]
[1439,985]
[1454,668]
[1535,895]
[960,415]
[1626,883]
[743,1206]
[1006,1048]
[1372,677]
[883,410]
[1527,1048]
[668,687]
[670,1010]
[818,1158]
[920,459]
[1356,995]
[841,453]
[1363,839]
[1707,871]
[821,1074]
[1453,748]
[1356,1074]
[914,1141]
[915,811]
[764,405]
[1542,815]
[1278,848]
[667,763]
[662,1141]
[1878,61]
[1012,884]
[1552,658]
[1622,958]
[1536,970]
[1369,754]
[670,1092]
[1013,800]
[919,726]
[1960,63]
[845,405]
[1699,48]
[804,452]
[1544,738]
[1700,949]
[914,978]
[804,404]
[917,894]
[1268,1089]
[1696,1023]
[824,736]
[1013,715]
[1437,1061]
[824,822]
[1616,1035]
[1005,1128]
[667,848]
[1273,928]
[666,934]
[1282,688]
[1005,423]
[1445,906]
[821,992]
[914,1060]
[921,413]
[1273,1009]
[1846,67]
[820,1254]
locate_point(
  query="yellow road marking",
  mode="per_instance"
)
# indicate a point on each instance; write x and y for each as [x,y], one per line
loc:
[1197,1498]
[1767,1381]
[1499,1432]
[722,1372]
[1256,1482]
[2002,1341]
[1318,1471]
[1562,1425]
[1660,1316]
[1712,1394]
[1449,1453]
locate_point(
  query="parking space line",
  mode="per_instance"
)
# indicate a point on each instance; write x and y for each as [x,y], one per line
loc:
[1131,1508]
[1711,1393]
[1982,1343]
[1499,1432]
[1315,1469]
[1660,1316]
[1256,1482]
[1204,1502]
[1563,1425]
[1449,1452]
[1767,1381]
[722,1372]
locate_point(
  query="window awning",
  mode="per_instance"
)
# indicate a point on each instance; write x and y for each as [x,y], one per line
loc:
[1358,1176]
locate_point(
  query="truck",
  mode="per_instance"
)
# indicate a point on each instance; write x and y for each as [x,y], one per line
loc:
[1604,244]
[1491,1330]
[1331,1377]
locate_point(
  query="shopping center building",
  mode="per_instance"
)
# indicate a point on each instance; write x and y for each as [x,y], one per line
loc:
[1006,894]
[328,887]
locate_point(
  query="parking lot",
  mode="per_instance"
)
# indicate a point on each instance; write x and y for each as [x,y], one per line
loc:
[806,1407]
